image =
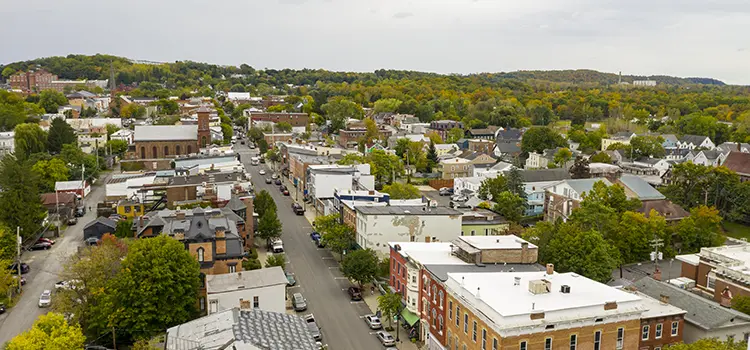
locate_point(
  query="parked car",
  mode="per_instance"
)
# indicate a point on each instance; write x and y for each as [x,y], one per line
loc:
[72,221]
[24,268]
[354,293]
[282,188]
[66,284]
[314,236]
[274,176]
[290,280]
[459,198]
[373,321]
[262,160]
[459,205]
[298,209]
[50,241]
[92,241]
[45,300]
[2,308]
[385,338]
[446,191]
[262,172]
[277,182]
[298,302]
[23,279]
[268,181]
[242,142]
[40,246]
[285,192]
[80,211]
[312,326]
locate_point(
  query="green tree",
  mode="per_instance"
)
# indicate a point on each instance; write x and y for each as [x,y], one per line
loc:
[402,145]
[283,127]
[50,100]
[133,111]
[228,132]
[60,133]
[602,206]
[276,260]
[492,187]
[74,157]
[29,139]
[454,135]
[539,138]
[251,264]
[157,287]
[49,332]
[111,129]
[15,110]
[432,157]
[701,229]
[372,132]
[647,146]
[118,147]
[515,182]
[338,110]
[20,205]
[710,344]
[633,234]
[384,166]
[601,157]
[167,107]
[124,229]
[580,168]
[49,172]
[741,303]
[386,105]
[584,252]
[336,236]
[434,137]
[269,226]
[511,206]
[562,156]
[360,266]
[398,190]
[389,304]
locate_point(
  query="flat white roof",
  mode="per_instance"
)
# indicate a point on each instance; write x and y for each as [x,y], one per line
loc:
[735,258]
[68,185]
[428,253]
[655,308]
[230,282]
[495,242]
[495,294]
[691,259]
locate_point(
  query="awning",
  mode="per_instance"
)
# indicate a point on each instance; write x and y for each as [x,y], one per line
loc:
[410,317]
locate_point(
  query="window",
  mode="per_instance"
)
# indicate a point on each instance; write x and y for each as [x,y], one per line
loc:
[548,344]
[620,338]
[434,318]
[484,339]
[597,340]
[440,299]
[256,302]
[494,343]
[464,346]
[398,286]
[474,332]
[456,339]
[657,334]
[440,324]
[473,232]
[213,306]
[458,315]
[644,332]
[398,270]
[189,149]
[200,255]
[154,153]
[450,340]
[710,282]
[166,151]
[232,268]
[573,341]
[177,150]
[466,323]
[127,209]
[675,328]
[434,293]
[522,345]
[450,309]
[203,304]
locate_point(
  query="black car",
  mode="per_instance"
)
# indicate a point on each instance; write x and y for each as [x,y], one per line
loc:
[24,268]
[355,293]
[41,246]
[298,209]
[282,188]
[80,211]
[2,309]
[278,182]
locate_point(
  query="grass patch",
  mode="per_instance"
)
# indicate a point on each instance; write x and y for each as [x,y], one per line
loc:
[736,230]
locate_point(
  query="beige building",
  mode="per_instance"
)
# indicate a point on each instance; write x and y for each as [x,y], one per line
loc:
[456,167]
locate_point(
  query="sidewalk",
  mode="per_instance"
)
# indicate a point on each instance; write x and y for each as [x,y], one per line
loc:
[404,344]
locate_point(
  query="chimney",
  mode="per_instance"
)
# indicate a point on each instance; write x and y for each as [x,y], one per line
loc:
[525,252]
[664,299]
[550,269]
[517,281]
[657,275]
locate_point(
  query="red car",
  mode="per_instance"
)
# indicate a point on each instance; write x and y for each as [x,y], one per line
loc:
[46,240]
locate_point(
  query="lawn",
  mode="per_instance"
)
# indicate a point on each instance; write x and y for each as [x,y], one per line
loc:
[736,230]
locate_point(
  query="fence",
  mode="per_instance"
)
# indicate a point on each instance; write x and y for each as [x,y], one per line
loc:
[440,183]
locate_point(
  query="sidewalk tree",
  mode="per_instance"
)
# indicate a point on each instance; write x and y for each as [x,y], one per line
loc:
[29,139]
[710,344]
[360,266]
[389,304]
[49,332]
[339,238]
[263,202]
[276,260]
[20,205]
[399,190]
[269,226]
[60,133]
[157,287]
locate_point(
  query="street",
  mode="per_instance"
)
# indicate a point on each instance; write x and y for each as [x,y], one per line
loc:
[318,277]
[45,266]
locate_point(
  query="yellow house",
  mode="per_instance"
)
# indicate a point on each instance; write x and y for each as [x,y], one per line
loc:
[130,209]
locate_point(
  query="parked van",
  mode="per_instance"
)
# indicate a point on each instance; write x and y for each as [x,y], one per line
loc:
[277,246]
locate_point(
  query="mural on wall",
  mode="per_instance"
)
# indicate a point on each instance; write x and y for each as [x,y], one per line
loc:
[414,226]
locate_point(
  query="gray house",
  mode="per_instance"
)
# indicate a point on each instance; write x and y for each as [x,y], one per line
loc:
[98,228]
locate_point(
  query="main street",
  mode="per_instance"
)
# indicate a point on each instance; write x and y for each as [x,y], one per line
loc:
[318,277]
[45,266]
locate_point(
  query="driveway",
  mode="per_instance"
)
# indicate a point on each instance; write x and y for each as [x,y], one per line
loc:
[46,265]
[318,277]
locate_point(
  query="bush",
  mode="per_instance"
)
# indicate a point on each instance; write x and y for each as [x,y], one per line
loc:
[253,253]
[252,264]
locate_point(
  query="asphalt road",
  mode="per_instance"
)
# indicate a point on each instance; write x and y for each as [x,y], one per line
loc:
[318,277]
[45,267]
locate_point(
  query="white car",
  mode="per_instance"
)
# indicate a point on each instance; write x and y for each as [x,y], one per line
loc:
[45,300]
[262,172]
[66,284]
[373,322]
[274,176]
[385,338]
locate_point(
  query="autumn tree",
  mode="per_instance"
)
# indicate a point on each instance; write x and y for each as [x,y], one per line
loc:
[562,156]
[386,105]
[49,332]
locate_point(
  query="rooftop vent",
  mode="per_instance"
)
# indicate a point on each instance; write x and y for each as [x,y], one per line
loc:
[517,281]
[565,289]
[540,286]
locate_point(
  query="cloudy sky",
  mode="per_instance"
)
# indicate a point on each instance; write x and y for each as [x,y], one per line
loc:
[706,38]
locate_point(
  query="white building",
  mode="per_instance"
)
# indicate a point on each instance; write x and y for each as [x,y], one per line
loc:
[695,141]
[263,289]
[707,157]
[323,179]
[467,184]
[378,225]
[126,135]
[648,83]
[7,142]
[86,124]
[662,164]
[128,186]
[526,304]
[89,143]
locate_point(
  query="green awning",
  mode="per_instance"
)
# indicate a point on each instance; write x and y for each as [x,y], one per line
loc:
[410,317]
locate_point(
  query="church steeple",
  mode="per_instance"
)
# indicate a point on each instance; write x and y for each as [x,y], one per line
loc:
[204,131]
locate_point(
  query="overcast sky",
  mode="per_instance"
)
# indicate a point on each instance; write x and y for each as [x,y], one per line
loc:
[684,38]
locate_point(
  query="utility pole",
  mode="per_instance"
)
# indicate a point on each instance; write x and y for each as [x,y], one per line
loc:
[18,256]
[656,243]
[114,339]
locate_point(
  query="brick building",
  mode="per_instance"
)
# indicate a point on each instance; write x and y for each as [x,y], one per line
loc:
[443,126]
[294,119]
[349,137]
[169,141]
[32,81]
[661,324]
[721,272]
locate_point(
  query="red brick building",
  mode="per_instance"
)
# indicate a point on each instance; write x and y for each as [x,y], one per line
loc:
[294,119]
[32,81]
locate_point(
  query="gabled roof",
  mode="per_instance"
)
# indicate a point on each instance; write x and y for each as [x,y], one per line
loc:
[640,187]
[509,135]
[52,198]
[103,221]
[483,131]
[738,162]
[701,312]
[694,139]
[544,175]
[734,147]
[585,185]
[711,154]
[508,146]
[665,208]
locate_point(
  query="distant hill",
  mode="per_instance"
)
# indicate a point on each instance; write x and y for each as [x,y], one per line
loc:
[97,67]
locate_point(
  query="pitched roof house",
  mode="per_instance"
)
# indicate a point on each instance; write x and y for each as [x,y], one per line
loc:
[739,163]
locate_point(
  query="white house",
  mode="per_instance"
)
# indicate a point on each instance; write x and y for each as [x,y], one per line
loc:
[446,148]
[7,142]
[657,163]
[378,225]
[324,179]
[263,289]
[89,143]
[126,135]
[707,158]
[467,184]
[727,147]
[695,141]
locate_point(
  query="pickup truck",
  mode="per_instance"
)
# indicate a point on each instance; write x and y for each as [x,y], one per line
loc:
[313,327]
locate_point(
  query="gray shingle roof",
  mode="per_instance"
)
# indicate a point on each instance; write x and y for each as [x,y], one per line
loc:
[506,146]
[544,175]
[694,139]
[236,204]
[273,331]
[102,220]
[166,132]
[701,312]
[509,134]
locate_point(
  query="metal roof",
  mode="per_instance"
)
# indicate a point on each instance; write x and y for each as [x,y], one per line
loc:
[405,210]
[229,282]
[640,187]
[166,132]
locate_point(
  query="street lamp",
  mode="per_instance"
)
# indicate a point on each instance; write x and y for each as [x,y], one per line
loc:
[398,323]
